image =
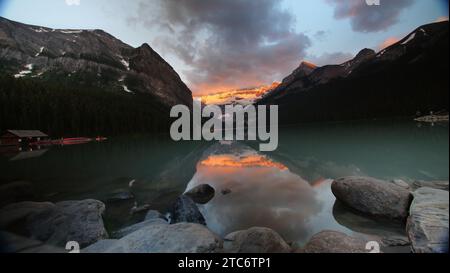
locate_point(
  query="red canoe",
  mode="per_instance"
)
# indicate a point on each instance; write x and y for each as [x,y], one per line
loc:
[68,141]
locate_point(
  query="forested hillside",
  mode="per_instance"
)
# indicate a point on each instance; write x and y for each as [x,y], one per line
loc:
[61,110]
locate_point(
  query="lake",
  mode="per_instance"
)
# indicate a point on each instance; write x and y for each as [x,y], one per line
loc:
[287,190]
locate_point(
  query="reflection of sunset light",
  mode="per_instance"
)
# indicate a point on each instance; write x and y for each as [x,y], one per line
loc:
[247,161]
[319,182]
[240,95]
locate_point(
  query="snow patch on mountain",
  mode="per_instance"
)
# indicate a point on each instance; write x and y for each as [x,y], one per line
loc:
[71,31]
[39,30]
[410,38]
[40,51]
[125,63]
[126,89]
[23,73]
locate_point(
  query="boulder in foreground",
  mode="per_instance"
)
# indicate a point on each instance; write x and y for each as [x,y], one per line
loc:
[15,192]
[184,210]
[177,238]
[11,243]
[334,242]
[439,185]
[373,197]
[56,224]
[255,240]
[427,226]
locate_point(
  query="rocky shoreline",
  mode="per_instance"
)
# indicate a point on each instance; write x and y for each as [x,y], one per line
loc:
[421,207]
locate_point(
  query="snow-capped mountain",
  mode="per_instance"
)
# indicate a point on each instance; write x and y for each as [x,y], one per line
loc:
[245,96]
[88,57]
[407,77]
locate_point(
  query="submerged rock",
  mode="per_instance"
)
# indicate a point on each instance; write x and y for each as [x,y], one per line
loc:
[440,185]
[255,240]
[56,224]
[427,224]
[15,192]
[178,238]
[120,195]
[373,197]
[184,210]
[11,243]
[334,242]
[12,216]
[201,194]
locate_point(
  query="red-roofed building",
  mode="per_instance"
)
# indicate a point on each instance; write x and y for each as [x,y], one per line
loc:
[21,137]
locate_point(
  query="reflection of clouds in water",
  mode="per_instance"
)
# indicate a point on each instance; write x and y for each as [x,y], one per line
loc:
[263,193]
[313,169]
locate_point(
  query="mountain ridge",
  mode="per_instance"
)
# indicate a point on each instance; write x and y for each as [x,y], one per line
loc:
[372,85]
[93,57]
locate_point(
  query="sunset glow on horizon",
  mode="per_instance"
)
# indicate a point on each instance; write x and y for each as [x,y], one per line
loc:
[247,94]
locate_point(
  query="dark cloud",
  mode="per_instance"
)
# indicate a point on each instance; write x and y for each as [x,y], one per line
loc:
[330,58]
[227,43]
[321,35]
[365,18]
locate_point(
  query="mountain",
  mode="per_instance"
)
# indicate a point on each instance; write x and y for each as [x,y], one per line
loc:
[88,57]
[99,67]
[408,77]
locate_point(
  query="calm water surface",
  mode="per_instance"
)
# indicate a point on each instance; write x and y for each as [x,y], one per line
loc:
[287,190]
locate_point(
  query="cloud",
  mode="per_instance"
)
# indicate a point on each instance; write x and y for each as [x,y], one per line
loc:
[330,58]
[441,19]
[226,43]
[321,35]
[388,42]
[366,18]
[73,2]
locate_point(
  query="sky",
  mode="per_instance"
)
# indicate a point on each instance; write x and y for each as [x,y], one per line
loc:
[216,45]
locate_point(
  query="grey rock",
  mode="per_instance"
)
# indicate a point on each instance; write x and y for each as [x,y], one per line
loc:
[201,194]
[185,210]
[79,221]
[360,223]
[427,225]
[154,214]
[101,246]
[128,230]
[335,242]
[396,241]
[440,185]
[401,183]
[12,243]
[373,197]
[255,240]
[12,214]
[15,192]
[178,238]
[140,209]
[56,224]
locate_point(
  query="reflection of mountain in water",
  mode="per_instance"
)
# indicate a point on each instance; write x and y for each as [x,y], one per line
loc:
[387,150]
[264,193]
